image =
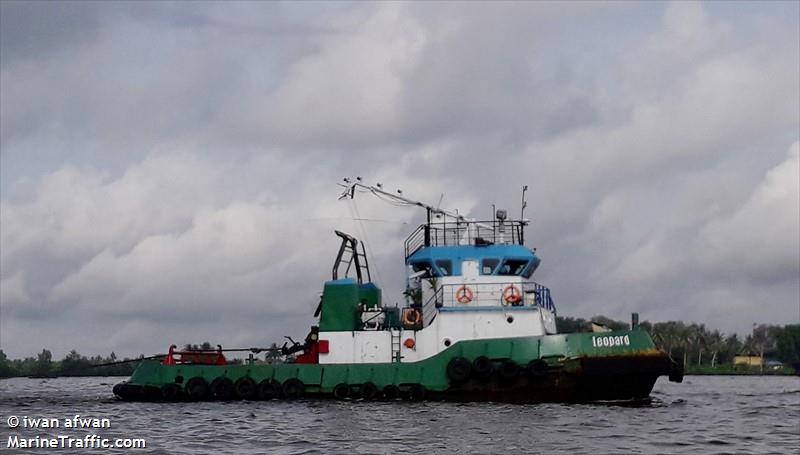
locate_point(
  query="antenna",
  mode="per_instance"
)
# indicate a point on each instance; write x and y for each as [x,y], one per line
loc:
[398,197]
[524,203]
[439,204]
[522,216]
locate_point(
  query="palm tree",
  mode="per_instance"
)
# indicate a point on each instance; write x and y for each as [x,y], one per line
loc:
[684,336]
[762,340]
[667,335]
[696,336]
[714,343]
[273,354]
[732,346]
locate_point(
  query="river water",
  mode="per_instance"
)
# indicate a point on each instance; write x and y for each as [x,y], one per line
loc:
[704,415]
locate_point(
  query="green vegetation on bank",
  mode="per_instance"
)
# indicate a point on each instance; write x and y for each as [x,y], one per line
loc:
[73,364]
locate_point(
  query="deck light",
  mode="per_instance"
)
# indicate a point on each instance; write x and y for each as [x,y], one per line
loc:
[501,214]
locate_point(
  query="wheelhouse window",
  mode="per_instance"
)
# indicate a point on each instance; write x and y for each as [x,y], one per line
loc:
[445,267]
[529,270]
[488,265]
[512,267]
[426,266]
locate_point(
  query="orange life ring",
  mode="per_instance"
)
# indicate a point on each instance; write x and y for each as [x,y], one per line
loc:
[511,294]
[411,316]
[464,294]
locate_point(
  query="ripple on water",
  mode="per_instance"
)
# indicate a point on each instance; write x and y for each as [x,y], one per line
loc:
[703,415]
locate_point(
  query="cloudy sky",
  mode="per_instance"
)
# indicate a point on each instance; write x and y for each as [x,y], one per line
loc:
[168,170]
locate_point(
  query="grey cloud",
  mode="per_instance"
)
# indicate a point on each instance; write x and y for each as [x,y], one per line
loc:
[34,30]
[171,170]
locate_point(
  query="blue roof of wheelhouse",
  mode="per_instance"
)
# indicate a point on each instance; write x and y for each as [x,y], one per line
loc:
[458,254]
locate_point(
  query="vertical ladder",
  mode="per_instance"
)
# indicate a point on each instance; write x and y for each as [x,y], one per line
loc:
[395,346]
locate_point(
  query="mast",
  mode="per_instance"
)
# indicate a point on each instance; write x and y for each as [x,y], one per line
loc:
[522,216]
[467,228]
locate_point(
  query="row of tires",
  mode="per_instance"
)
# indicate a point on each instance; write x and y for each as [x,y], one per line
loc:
[461,370]
[224,389]
[245,388]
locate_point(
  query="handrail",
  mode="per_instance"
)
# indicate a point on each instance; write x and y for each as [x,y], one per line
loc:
[539,298]
[543,297]
[476,233]
[480,294]
[210,357]
[416,240]
[430,307]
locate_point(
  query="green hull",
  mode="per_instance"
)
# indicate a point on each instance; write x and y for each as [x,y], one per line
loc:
[621,365]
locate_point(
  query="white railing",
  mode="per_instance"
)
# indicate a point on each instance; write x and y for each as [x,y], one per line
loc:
[502,294]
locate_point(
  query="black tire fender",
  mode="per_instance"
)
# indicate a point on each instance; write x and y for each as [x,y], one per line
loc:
[293,388]
[196,389]
[458,370]
[245,388]
[509,369]
[391,392]
[170,392]
[369,391]
[482,367]
[221,389]
[341,391]
[268,390]
[537,367]
[416,392]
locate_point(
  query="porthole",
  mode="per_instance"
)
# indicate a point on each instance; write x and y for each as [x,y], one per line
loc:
[447,342]
[510,319]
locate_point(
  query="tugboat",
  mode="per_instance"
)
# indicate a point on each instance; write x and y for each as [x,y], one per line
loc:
[475,327]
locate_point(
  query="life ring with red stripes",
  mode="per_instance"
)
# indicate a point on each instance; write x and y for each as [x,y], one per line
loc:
[512,294]
[464,295]
[411,317]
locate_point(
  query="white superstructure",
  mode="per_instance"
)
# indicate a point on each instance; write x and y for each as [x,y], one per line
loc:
[467,280]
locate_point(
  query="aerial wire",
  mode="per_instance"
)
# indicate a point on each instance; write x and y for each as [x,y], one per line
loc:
[365,241]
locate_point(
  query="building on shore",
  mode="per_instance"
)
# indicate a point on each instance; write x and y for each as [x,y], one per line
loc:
[747,360]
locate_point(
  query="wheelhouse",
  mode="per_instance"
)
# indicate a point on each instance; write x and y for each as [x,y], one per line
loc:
[492,260]
[472,265]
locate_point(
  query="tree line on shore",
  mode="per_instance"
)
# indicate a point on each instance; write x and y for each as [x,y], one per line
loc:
[694,343]
[73,364]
